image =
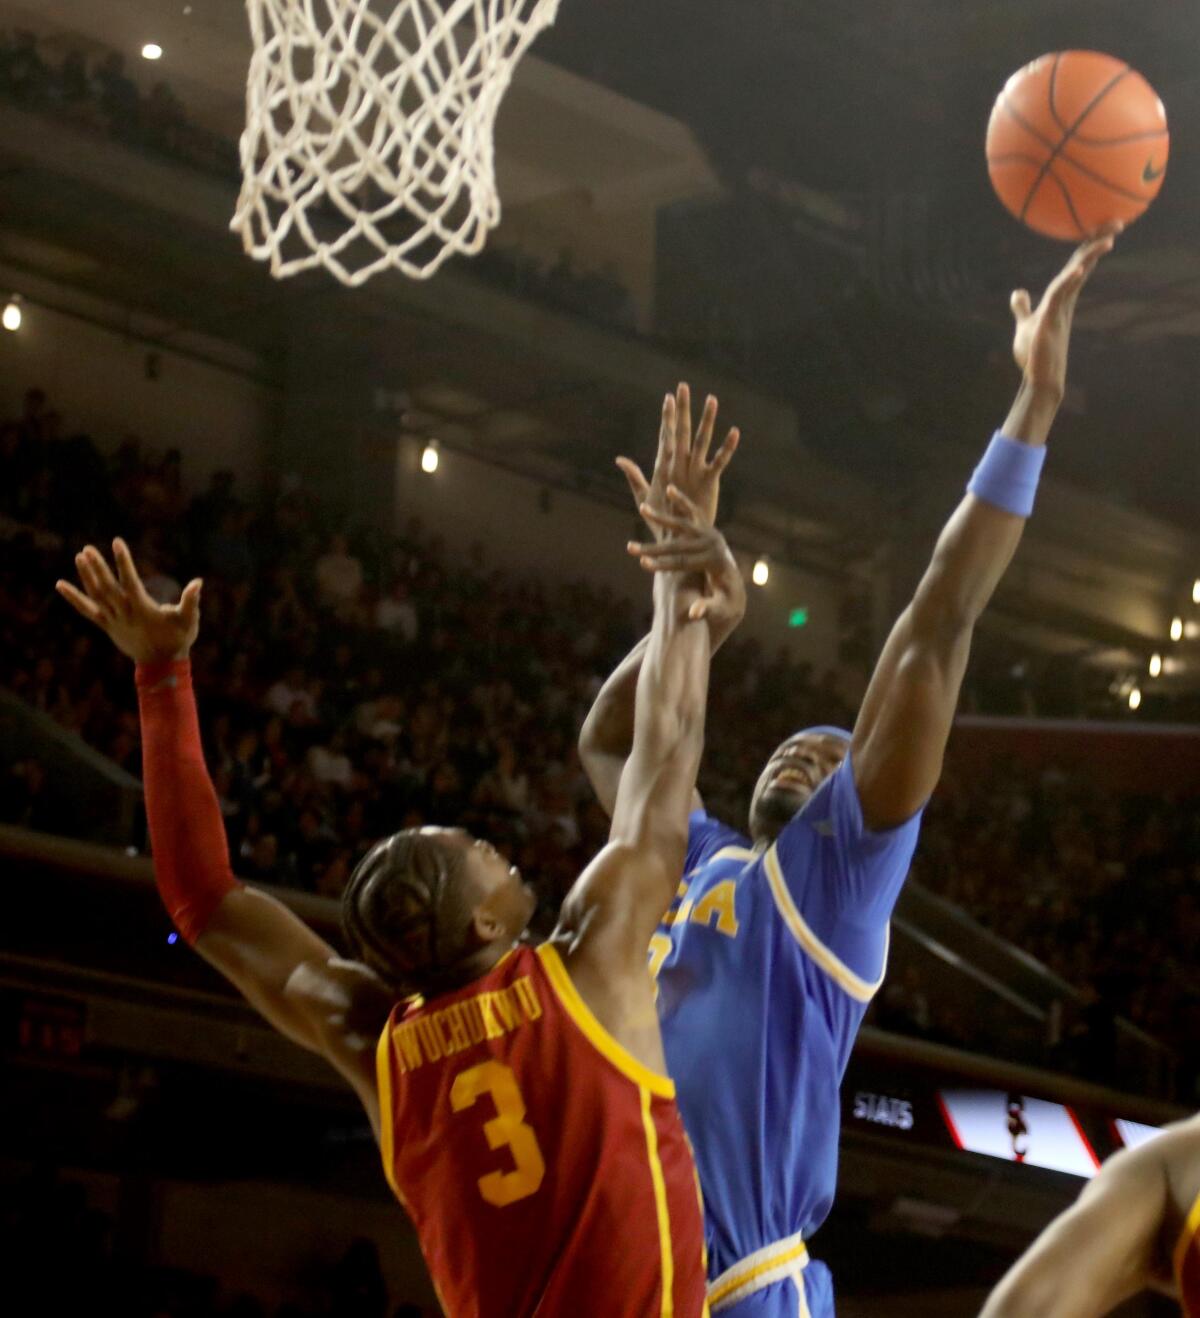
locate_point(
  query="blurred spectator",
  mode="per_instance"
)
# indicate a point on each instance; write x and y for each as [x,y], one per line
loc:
[339,575]
[292,690]
[104,98]
[395,613]
[1103,888]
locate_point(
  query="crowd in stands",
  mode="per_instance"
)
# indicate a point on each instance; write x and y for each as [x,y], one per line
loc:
[350,683]
[1102,887]
[58,1255]
[95,93]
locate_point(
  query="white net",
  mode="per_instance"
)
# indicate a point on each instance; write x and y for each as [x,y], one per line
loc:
[369,139]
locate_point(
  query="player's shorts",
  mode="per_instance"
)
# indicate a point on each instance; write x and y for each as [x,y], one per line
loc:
[806,1293]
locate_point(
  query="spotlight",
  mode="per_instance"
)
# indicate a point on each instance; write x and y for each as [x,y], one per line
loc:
[1135,698]
[761,573]
[430,458]
[1196,591]
[11,319]
[152,50]
[1155,665]
[1176,629]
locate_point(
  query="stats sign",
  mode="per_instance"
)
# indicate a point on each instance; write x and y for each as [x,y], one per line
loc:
[1025,1129]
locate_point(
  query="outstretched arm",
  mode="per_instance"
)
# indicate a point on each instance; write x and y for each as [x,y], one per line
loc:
[283,969]
[618,902]
[902,729]
[606,737]
[1100,1251]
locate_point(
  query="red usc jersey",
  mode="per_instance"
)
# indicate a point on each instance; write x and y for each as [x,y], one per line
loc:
[1187,1264]
[545,1169]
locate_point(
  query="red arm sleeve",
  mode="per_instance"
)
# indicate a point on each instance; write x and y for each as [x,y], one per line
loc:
[187,833]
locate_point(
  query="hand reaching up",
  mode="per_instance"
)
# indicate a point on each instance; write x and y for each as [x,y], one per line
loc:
[699,551]
[1043,333]
[682,459]
[148,632]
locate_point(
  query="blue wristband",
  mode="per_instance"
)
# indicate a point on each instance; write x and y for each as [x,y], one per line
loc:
[1008,475]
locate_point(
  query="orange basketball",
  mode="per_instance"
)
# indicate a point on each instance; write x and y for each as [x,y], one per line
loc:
[1076,141]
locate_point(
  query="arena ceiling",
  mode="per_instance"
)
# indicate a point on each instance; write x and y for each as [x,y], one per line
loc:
[830,203]
[849,140]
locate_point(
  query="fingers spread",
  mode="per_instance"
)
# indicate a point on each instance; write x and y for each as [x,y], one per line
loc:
[126,572]
[666,521]
[681,500]
[684,544]
[677,562]
[89,577]
[683,418]
[704,435]
[79,602]
[111,596]
[726,451]
[638,484]
[188,608]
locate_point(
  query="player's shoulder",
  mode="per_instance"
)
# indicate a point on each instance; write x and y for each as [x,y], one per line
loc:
[709,838]
[834,812]
[834,802]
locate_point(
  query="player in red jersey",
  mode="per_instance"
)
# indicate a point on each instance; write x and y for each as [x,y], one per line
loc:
[521,1101]
[1136,1226]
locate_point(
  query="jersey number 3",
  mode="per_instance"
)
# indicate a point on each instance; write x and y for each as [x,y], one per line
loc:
[506,1129]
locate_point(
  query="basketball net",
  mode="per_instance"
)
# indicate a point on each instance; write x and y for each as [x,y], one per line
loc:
[369,130]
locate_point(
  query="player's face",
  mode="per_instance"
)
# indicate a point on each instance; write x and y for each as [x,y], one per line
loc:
[793,773]
[498,889]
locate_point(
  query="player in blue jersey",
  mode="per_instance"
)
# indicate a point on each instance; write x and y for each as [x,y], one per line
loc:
[776,943]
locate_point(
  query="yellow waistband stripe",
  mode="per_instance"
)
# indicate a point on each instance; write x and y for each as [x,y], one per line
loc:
[774,1262]
[597,1035]
[837,970]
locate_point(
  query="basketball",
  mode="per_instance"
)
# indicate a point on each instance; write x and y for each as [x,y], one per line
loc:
[1077,140]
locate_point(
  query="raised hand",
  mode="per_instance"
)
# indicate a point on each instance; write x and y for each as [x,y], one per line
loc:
[682,459]
[146,631]
[690,545]
[1043,333]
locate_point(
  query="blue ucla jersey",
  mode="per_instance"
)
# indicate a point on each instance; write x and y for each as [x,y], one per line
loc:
[765,965]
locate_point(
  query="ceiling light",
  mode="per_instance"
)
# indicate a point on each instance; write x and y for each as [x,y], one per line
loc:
[11,319]
[152,50]
[1135,698]
[430,458]
[1196,591]
[1155,665]
[762,571]
[1176,629]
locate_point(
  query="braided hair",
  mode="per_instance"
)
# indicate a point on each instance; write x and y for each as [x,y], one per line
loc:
[403,907]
